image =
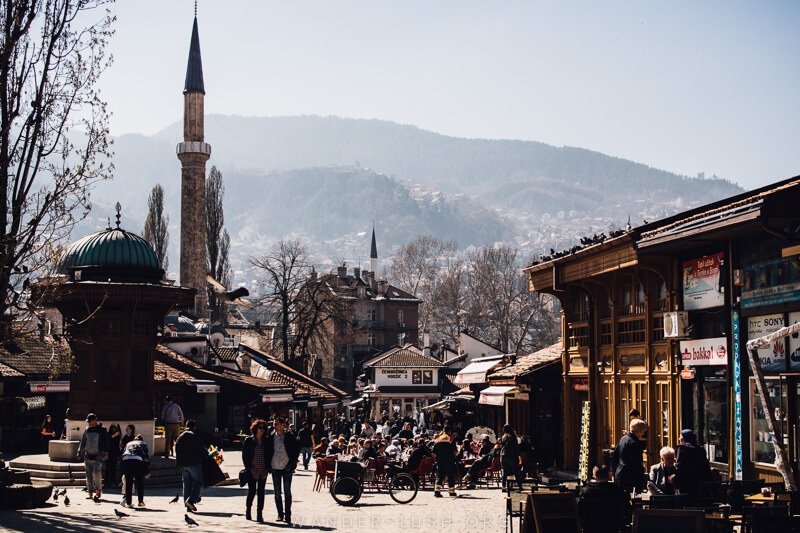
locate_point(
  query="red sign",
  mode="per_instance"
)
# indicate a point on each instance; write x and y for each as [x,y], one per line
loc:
[580,384]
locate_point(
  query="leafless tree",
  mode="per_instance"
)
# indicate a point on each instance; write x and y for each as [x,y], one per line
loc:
[418,267]
[54,138]
[308,305]
[156,225]
[500,308]
[447,308]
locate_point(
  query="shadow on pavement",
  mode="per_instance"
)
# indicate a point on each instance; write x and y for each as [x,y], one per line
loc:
[299,526]
[31,522]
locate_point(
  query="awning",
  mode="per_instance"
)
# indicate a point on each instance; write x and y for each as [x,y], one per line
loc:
[332,405]
[279,397]
[495,395]
[43,387]
[30,403]
[356,402]
[444,404]
[475,372]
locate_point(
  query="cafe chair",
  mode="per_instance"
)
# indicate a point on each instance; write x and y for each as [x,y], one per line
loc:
[515,507]
[757,517]
[668,521]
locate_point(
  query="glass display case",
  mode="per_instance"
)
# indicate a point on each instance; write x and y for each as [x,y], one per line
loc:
[761,439]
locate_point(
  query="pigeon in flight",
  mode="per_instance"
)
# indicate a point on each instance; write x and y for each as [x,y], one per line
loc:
[120,514]
[175,499]
[189,520]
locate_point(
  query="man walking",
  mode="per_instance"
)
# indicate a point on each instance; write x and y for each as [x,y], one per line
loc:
[445,452]
[189,455]
[93,450]
[282,452]
[305,437]
[172,416]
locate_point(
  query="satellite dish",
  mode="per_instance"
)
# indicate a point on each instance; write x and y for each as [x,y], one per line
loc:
[217,339]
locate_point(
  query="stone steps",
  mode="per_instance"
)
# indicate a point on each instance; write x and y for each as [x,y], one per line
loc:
[163,472]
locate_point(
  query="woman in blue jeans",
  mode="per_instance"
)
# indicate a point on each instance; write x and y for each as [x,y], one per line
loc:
[282,451]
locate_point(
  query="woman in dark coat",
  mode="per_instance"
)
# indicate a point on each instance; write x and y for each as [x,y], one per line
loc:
[47,432]
[691,465]
[114,452]
[254,459]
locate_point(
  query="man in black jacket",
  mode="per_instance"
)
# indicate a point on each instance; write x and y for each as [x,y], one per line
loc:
[603,507]
[629,471]
[282,450]
[189,455]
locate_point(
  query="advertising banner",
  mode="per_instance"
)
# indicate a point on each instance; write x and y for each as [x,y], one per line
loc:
[794,344]
[704,352]
[772,357]
[701,282]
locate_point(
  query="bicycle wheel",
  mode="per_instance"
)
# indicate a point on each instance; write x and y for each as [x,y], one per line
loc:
[402,488]
[346,491]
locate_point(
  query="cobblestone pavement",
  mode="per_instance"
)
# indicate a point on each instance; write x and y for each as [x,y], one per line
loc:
[222,508]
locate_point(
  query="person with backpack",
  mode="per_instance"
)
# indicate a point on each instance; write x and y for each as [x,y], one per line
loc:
[135,466]
[93,450]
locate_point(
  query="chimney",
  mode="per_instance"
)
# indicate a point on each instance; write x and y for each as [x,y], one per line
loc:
[342,271]
[382,286]
[426,344]
[371,279]
[357,272]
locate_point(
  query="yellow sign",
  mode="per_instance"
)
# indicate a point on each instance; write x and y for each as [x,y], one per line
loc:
[583,458]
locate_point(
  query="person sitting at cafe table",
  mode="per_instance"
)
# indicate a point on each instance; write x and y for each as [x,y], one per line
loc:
[627,457]
[691,465]
[662,475]
[481,464]
[321,449]
[603,507]
[367,451]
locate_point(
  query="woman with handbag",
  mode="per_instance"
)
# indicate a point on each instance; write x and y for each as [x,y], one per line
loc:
[254,459]
[135,466]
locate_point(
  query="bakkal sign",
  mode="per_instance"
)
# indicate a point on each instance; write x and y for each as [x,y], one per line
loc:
[704,352]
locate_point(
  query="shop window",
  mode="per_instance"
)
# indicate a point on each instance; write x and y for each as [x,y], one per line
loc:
[631,331]
[632,299]
[632,395]
[578,336]
[579,308]
[416,377]
[606,333]
[662,402]
[427,377]
[761,439]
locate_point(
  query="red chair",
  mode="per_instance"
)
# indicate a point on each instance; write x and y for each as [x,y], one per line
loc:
[424,471]
[494,473]
[325,470]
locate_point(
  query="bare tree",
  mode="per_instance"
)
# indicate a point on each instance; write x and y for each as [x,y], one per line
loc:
[500,308]
[156,225]
[50,62]
[417,268]
[447,306]
[308,305]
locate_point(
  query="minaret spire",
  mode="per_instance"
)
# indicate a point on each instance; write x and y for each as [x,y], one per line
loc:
[373,253]
[193,153]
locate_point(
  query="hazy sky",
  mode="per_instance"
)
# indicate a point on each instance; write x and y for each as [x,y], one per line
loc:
[685,86]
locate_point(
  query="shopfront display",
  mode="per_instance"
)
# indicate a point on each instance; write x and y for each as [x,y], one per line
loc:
[762,450]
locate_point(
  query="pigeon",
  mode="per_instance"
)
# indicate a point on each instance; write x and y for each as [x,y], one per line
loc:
[55,496]
[175,499]
[64,492]
[189,520]
[66,500]
[120,514]
[96,498]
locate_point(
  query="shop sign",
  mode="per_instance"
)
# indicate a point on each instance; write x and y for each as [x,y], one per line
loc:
[580,384]
[688,373]
[42,387]
[737,398]
[632,360]
[276,398]
[207,389]
[701,282]
[770,282]
[794,344]
[773,356]
[704,352]
[394,373]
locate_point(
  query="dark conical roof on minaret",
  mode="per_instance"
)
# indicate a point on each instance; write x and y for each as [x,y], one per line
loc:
[373,253]
[194,69]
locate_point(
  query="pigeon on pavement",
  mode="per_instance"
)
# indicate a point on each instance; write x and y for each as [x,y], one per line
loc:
[189,520]
[66,500]
[120,514]
[175,499]
[55,495]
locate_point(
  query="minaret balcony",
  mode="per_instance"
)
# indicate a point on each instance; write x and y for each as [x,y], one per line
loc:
[193,147]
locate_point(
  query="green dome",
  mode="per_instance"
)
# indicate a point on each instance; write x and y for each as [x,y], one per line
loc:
[109,254]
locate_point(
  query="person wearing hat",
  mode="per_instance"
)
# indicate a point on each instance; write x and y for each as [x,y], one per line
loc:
[93,450]
[691,465]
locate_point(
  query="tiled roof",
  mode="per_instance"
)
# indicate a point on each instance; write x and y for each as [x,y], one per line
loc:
[197,371]
[8,372]
[529,363]
[163,372]
[408,356]
[27,354]
[227,353]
